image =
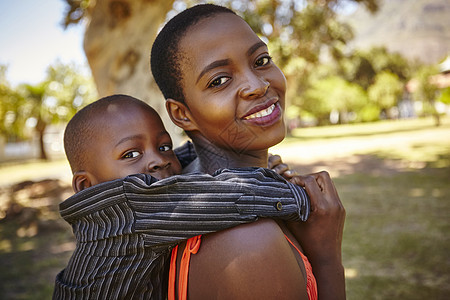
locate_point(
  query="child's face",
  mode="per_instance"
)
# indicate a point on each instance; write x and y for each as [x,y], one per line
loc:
[131,140]
[234,92]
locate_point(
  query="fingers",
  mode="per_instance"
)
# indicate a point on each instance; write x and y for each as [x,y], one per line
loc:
[320,189]
[282,169]
[274,160]
[324,181]
[275,163]
[312,189]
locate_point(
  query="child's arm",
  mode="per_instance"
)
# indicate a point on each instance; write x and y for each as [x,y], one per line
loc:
[176,208]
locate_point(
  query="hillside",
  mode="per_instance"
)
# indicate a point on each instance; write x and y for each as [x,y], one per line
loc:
[417,29]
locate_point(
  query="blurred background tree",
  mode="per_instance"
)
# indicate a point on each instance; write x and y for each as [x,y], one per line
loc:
[426,91]
[11,102]
[31,108]
[385,92]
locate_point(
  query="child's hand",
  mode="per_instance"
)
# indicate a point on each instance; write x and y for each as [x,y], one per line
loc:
[321,235]
[277,165]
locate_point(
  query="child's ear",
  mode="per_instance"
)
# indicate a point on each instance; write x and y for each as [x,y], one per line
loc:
[180,115]
[81,180]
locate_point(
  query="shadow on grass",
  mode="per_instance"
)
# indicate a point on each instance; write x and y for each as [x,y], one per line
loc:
[396,240]
[35,242]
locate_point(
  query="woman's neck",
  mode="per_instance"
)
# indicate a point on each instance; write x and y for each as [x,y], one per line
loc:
[211,157]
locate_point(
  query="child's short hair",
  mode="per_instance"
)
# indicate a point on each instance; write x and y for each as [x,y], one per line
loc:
[82,128]
[166,56]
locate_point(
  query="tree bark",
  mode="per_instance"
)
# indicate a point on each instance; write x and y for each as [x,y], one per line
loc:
[40,128]
[117,44]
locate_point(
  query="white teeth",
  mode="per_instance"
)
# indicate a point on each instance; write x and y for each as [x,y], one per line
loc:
[261,113]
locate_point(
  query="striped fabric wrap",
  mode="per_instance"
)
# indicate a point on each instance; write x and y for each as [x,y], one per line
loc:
[126,228]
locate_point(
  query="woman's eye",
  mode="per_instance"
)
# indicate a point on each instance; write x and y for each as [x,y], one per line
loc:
[263,61]
[131,154]
[218,81]
[165,148]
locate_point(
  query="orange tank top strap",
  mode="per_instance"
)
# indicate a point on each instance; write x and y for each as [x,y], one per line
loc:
[192,247]
[311,284]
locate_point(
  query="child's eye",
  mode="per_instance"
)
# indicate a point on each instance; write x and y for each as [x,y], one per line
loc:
[131,154]
[165,148]
[219,81]
[262,61]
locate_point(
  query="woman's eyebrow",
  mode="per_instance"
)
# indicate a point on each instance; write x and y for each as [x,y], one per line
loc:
[213,65]
[255,47]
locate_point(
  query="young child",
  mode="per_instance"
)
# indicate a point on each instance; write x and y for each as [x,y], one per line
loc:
[223,89]
[125,228]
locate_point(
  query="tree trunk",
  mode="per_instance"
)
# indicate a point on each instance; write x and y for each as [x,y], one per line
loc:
[435,113]
[40,128]
[117,43]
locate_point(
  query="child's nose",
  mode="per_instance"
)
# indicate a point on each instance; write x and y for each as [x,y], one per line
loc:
[157,164]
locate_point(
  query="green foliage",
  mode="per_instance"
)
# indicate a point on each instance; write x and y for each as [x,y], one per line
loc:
[68,90]
[386,90]
[444,97]
[426,91]
[54,100]
[369,113]
[11,101]
[298,29]
[333,94]
[362,67]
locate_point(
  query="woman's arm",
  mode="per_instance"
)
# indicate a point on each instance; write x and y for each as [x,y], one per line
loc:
[321,235]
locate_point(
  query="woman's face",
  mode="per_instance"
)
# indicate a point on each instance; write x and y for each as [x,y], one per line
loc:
[234,92]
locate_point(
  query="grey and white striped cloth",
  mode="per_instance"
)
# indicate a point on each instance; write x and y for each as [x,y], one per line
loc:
[125,229]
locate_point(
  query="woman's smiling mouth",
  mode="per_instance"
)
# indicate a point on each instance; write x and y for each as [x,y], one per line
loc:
[265,117]
[261,113]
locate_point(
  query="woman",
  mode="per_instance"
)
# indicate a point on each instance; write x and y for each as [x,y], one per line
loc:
[224,90]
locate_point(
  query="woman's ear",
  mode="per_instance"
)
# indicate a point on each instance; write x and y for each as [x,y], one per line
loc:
[81,180]
[180,115]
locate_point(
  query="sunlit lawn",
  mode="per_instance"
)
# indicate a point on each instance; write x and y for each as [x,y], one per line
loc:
[396,190]
[393,178]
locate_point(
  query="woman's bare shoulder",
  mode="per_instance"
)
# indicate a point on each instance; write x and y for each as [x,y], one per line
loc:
[251,261]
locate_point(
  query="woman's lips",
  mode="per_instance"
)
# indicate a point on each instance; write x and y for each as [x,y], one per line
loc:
[261,113]
[266,116]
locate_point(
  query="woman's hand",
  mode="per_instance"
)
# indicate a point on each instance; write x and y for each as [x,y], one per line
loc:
[321,235]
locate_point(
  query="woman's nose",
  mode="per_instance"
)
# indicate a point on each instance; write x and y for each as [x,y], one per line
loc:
[254,87]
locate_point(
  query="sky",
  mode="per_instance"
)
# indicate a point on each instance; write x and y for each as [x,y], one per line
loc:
[32,38]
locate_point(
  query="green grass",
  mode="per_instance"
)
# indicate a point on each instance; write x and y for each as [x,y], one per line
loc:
[393,178]
[11,173]
[396,241]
